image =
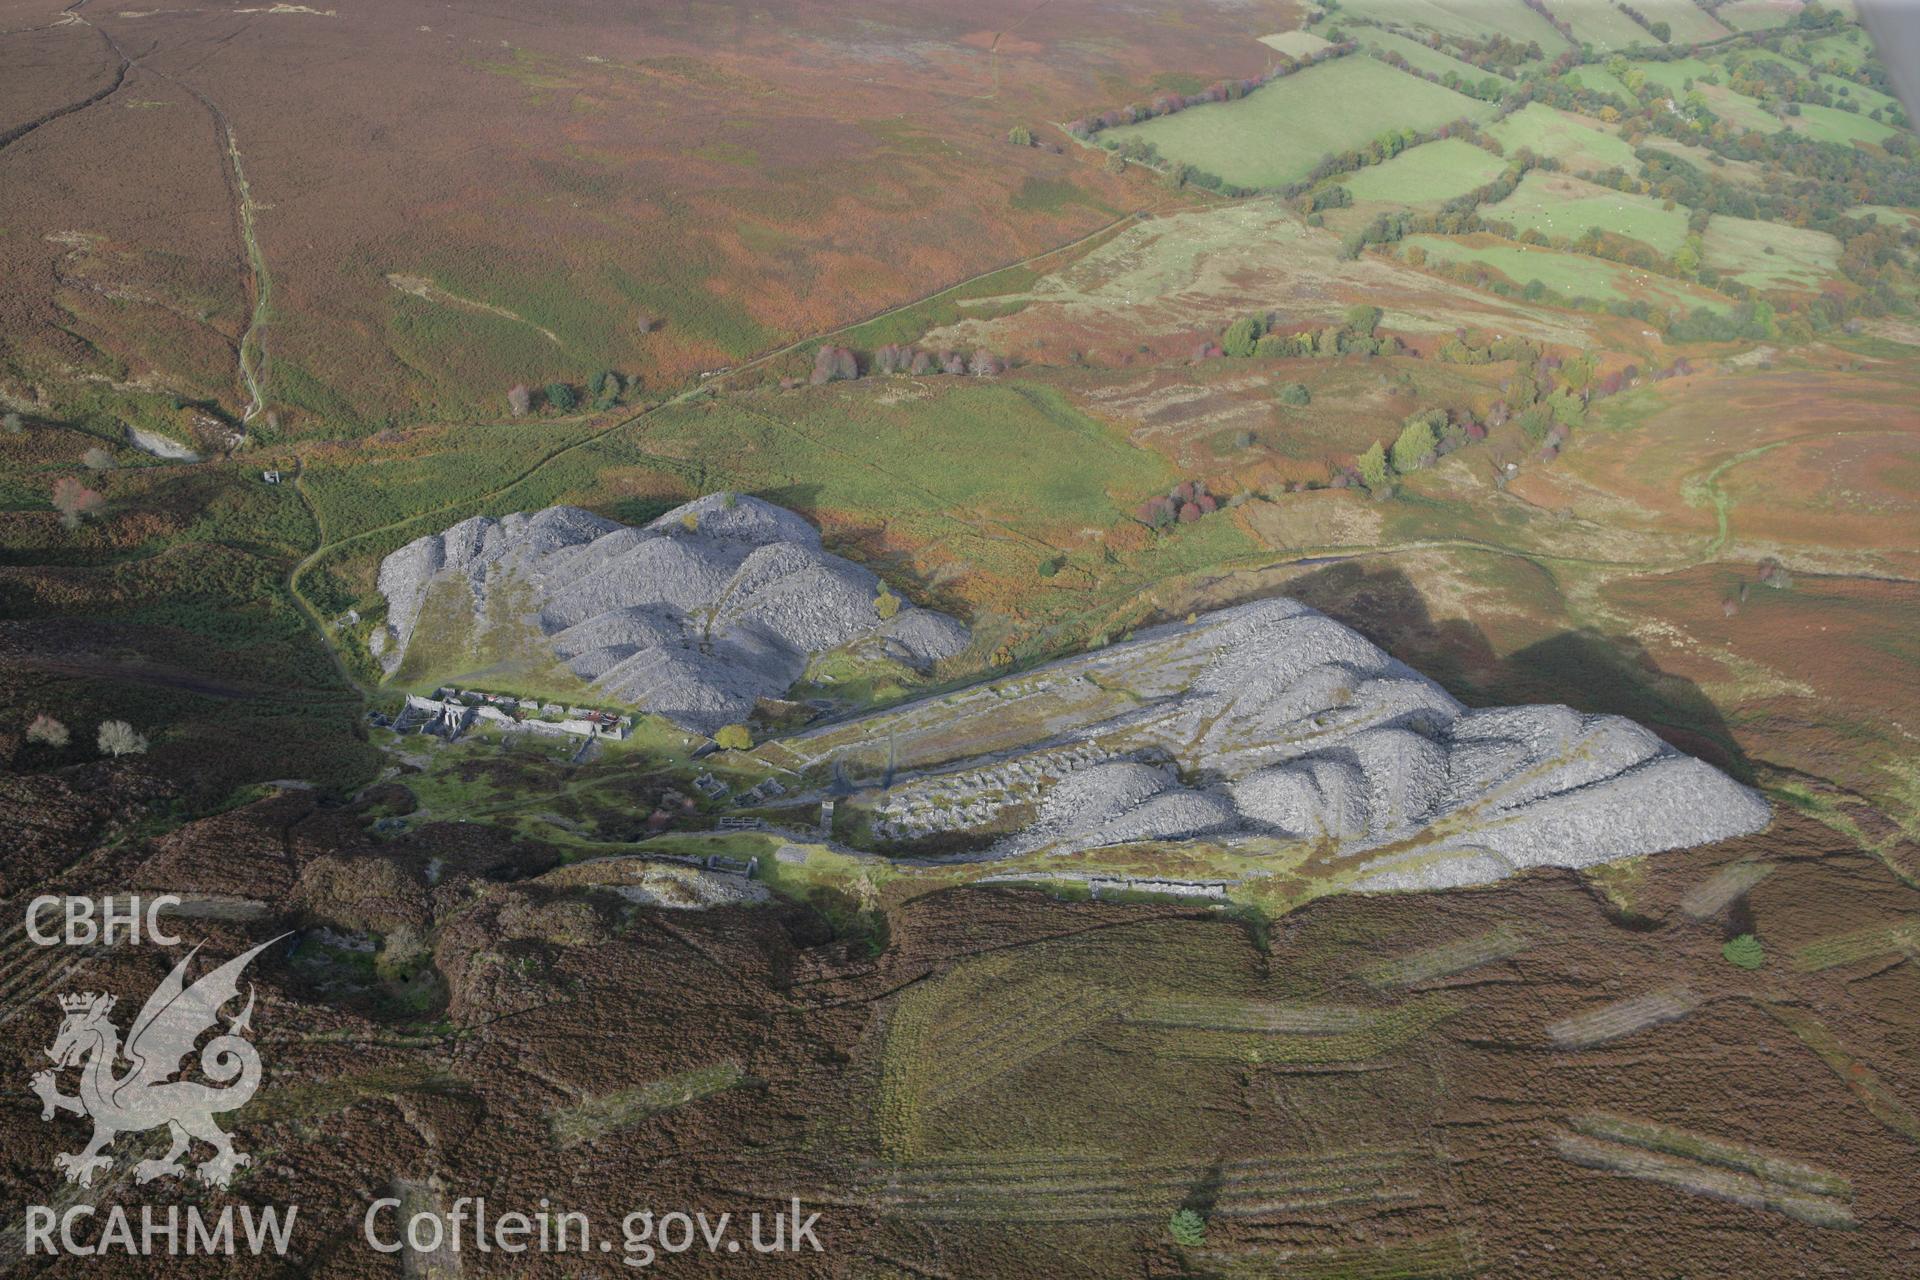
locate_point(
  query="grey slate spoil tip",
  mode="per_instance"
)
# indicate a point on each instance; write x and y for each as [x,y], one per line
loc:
[694,617]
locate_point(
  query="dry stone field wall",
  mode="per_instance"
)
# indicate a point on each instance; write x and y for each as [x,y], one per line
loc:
[694,617]
[1272,722]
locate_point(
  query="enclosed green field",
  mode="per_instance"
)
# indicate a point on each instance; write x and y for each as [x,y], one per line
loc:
[1428,174]
[1420,56]
[1673,76]
[856,448]
[1577,142]
[1557,205]
[1868,99]
[1690,23]
[1739,110]
[1830,124]
[1886,213]
[1600,80]
[1601,24]
[1476,19]
[1756,15]
[1276,134]
[1567,276]
[1850,47]
[1771,255]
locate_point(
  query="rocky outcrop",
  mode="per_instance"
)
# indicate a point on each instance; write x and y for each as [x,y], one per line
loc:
[694,617]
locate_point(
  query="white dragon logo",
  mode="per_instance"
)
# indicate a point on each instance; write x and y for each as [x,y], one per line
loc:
[146,1096]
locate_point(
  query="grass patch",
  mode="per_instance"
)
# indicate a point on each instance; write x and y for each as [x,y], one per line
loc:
[1420,56]
[1831,124]
[1567,276]
[1476,19]
[1274,135]
[1771,255]
[1559,206]
[597,1117]
[1601,24]
[1428,174]
[1578,143]
[1055,195]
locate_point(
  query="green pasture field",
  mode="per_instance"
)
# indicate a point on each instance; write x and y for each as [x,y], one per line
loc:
[1427,174]
[1419,55]
[1274,135]
[1830,124]
[1557,205]
[900,454]
[1600,80]
[1690,23]
[1740,110]
[1868,98]
[357,489]
[1476,19]
[1601,24]
[1754,15]
[856,449]
[1672,76]
[1799,259]
[1887,214]
[1743,172]
[1851,47]
[1578,143]
[1568,275]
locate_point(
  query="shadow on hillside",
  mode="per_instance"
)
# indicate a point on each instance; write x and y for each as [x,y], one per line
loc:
[867,544]
[1587,670]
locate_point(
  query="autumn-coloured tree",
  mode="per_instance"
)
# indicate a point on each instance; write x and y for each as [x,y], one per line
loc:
[831,364]
[894,358]
[47,731]
[75,502]
[954,363]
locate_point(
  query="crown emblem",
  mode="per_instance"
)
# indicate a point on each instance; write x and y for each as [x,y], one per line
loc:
[81,1001]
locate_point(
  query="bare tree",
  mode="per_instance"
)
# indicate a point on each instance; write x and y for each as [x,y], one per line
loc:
[74,501]
[12,424]
[831,364]
[97,459]
[520,400]
[986,364]
[47,731]
[117,738]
